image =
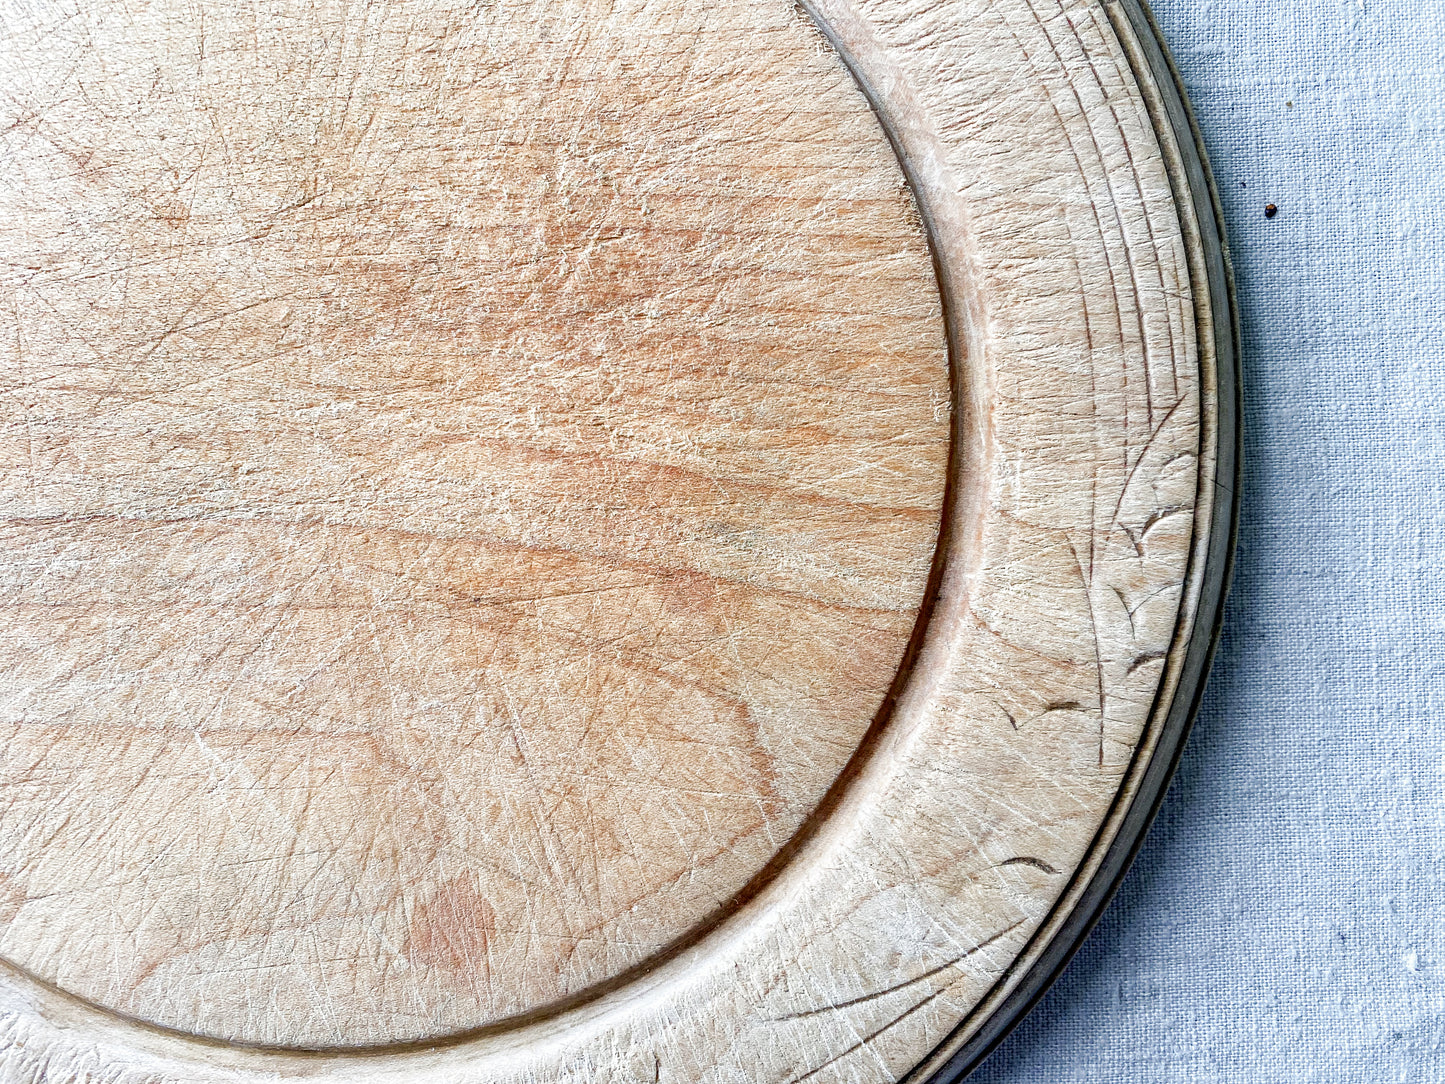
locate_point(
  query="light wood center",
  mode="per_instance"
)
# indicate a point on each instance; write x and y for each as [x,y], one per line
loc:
[469,476]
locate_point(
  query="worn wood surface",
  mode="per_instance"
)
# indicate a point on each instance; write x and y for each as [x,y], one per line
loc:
[584,541]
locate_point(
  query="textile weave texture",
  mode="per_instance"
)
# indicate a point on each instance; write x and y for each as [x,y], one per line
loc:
[1285,921]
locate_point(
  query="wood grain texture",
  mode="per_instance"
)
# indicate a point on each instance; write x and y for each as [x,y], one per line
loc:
[586,541]
[468,485]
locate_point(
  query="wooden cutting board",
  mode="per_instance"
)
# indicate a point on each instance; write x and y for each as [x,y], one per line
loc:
[588,541]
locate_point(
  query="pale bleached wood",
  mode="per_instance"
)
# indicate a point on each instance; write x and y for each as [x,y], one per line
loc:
[471,476]
[470,479]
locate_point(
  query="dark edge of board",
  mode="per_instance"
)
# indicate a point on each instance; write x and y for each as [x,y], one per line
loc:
[1197,187]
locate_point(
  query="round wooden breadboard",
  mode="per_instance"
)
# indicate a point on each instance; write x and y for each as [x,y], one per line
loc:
[588,541]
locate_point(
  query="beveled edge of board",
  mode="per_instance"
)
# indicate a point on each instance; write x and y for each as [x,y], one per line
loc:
[1122,835]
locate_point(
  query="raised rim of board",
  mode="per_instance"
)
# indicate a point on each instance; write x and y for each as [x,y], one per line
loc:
[1081,907]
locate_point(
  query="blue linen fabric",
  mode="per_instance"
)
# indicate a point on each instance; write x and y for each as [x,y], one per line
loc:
[1285,921]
